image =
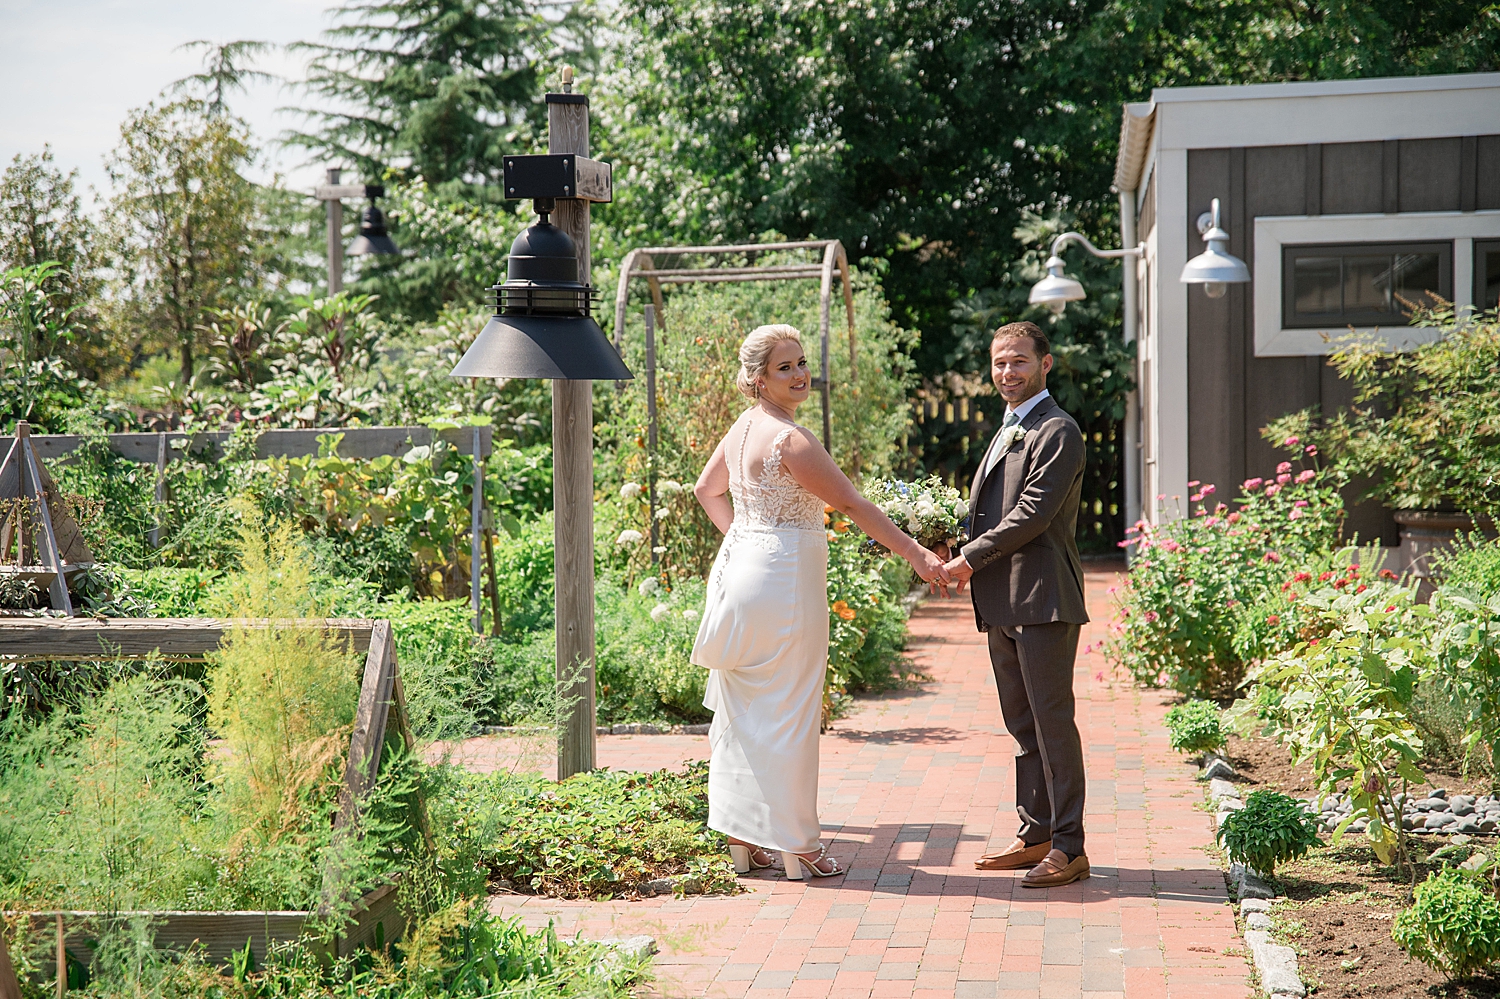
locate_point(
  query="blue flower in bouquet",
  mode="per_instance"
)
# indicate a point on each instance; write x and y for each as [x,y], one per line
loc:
[930,510]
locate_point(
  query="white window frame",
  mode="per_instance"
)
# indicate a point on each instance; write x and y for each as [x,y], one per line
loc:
[1275,231]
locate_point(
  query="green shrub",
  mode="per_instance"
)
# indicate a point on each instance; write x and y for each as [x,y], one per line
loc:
[1343,704]
[1422,424]
[594,835]
[1453,924]
[1271,829]
[1194,727]
[1464,642]
[1178,611]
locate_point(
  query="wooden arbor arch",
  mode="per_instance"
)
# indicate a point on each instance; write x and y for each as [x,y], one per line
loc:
[641,263]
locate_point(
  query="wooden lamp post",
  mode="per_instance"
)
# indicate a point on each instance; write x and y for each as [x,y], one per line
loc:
[543,328]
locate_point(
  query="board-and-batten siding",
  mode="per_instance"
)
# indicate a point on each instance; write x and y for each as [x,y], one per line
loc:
[1231,392]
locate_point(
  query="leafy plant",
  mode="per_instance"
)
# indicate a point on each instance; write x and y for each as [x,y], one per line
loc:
[1424,422]
[1453,924]
[1343,704]
[1464,641]
[1178,611]
[1194,727]
[1271,829]
[597,834]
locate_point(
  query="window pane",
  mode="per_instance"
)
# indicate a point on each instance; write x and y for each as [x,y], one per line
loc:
[1368,284]
[1416,274]
[1490,289]
[1316,286]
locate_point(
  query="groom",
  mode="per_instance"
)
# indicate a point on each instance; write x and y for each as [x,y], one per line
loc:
[1028,597]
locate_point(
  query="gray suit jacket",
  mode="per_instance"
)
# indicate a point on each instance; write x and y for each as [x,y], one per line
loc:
[1023,516]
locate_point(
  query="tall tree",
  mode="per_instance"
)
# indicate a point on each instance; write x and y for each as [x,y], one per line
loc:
[432,85]
[225,70]
[41,220]
[181,221]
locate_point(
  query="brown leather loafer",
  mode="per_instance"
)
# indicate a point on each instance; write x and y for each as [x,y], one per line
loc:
[1056,869]
[1013,857]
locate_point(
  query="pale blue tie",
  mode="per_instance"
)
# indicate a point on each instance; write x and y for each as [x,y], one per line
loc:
[1011,419]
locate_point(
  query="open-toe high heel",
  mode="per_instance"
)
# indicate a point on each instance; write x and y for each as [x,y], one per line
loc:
[744,858]
[798,866]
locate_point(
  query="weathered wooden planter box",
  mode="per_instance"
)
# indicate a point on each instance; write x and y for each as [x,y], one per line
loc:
[376,916]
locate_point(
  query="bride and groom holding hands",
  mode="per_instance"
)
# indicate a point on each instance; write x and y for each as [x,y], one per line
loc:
[764,631]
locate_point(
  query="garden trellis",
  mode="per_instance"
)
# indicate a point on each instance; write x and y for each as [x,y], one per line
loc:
[641,263]
[375,915]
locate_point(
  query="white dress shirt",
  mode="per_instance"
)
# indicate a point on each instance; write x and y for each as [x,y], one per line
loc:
[1022,411]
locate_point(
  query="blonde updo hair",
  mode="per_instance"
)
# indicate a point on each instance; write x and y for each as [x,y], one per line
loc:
[755,354]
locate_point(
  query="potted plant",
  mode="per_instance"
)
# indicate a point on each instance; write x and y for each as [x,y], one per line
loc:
[1425,425]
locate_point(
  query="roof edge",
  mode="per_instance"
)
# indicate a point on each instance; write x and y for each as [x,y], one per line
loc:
[1136,124]
[1327,88]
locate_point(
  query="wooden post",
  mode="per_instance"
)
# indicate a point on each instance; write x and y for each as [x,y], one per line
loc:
[62,959]
[10,988]
[651,428]
[335,238]
[154,535]
[476,505]
[573,474]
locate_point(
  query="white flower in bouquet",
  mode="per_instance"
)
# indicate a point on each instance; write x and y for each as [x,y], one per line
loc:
[630,491]
[629,537]
[927,510]
[648,586]
[660,613]
[669,488]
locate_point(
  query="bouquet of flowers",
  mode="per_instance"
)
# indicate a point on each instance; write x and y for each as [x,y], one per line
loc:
[930,510]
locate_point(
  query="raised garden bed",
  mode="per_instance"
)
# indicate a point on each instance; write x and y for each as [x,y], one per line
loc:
[1339,902]
[375,917]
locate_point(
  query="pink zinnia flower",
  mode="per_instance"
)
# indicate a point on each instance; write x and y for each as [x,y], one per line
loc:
[1300,503]
[1250,485]
[1311,449]
[1207,490]
[1294,515]
[1272,489]
[1283,478]
[1194,484]
[1284,467]
[1210,521]
[1306,475]
[1151,617]
[1272,557]
[1291,442]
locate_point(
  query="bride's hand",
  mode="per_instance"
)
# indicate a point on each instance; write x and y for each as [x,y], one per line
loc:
[929,567]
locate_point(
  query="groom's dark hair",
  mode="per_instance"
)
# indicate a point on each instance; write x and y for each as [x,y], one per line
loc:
[1025,331]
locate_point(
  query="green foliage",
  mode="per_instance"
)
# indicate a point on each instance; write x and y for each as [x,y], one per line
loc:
[35,382]
[1194,727]
[1423,423]
[180,222]
[1271,829]
[594,835]
[282,697]
[1343,704]
[1464,641]
[1179,610]
[1453,924]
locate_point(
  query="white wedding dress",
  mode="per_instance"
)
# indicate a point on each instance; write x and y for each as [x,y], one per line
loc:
[764,637]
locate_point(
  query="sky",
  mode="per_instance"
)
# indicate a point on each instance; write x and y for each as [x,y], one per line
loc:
[71,69]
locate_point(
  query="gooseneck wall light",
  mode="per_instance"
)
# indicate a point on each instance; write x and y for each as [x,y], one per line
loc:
[1215,268]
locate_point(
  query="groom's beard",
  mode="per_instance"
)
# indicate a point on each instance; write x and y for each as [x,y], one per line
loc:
[1032,387]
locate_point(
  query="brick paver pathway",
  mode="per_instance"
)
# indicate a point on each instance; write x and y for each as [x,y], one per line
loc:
[915,785]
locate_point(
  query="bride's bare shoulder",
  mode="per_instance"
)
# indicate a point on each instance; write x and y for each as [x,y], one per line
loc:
[798,441]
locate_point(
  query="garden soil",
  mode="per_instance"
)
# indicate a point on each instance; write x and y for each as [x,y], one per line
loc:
[1340,902]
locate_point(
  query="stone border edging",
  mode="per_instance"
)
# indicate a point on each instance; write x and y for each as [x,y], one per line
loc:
[1275,963]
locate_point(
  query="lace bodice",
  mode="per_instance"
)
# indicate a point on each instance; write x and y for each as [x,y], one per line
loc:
[776,500]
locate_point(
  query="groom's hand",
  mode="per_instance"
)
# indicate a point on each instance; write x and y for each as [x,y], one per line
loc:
[959,570]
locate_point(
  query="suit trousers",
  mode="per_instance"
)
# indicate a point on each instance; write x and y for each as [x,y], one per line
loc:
[1034,672]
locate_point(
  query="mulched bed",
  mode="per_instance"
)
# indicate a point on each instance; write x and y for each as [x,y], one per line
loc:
[1340,900]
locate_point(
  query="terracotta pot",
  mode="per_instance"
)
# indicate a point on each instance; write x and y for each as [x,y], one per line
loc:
[1427,532]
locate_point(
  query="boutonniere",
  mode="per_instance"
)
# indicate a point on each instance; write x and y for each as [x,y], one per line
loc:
[1010,436]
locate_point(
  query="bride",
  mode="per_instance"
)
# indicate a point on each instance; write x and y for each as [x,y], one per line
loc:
[764,632]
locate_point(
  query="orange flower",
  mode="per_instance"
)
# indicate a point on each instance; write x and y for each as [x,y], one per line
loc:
[827,508]
[841,526]
[843,610]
